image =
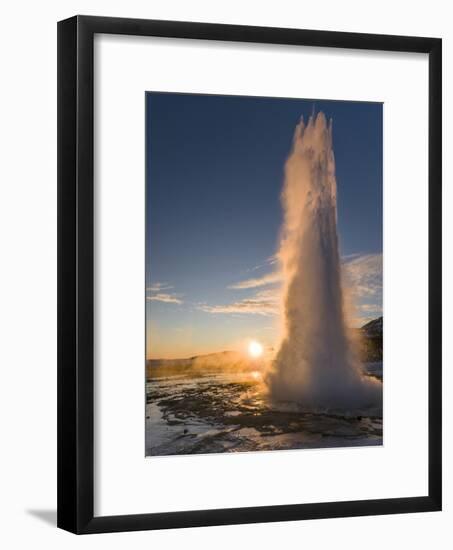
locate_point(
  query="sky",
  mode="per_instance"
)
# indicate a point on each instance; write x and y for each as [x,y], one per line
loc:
[214,173]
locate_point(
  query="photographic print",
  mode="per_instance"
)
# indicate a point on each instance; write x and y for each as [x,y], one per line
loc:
[264,319]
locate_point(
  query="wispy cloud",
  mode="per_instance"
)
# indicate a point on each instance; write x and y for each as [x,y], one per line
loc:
[363,275]
[362,272]
[163,297]
[157,294]
[262,303]
[156,287]
[272,260]
[349,257]
[266,279]
[370,308]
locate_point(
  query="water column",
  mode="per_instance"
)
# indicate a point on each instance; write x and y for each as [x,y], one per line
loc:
[316,365]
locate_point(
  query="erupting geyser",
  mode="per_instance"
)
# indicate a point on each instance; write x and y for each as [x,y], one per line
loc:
[316,365]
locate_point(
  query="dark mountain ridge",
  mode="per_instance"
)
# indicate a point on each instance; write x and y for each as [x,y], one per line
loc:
[371,342]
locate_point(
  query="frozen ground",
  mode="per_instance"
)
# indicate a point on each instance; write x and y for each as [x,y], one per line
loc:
[216,412]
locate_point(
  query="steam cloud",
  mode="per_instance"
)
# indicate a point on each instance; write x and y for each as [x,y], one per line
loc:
[316,365]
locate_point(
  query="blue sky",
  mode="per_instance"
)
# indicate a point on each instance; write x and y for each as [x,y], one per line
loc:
[214,175]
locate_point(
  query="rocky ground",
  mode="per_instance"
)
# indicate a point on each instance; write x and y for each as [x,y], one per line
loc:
[229,412]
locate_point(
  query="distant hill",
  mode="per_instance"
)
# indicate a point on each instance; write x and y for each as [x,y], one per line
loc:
[223,360]
[371,340]
[374,327]
[370,345]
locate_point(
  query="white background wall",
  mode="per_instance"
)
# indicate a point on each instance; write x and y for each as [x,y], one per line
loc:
[28,272]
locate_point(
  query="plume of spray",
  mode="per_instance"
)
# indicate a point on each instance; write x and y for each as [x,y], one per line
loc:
[316,364]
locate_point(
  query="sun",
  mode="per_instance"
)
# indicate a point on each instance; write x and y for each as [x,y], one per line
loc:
[255,349]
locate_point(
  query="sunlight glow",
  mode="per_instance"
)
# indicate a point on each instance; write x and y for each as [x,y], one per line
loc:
[255,349]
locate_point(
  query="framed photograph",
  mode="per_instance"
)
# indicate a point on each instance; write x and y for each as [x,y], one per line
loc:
[249,274]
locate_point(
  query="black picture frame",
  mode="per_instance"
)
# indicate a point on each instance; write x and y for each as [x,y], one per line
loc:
[76,261]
